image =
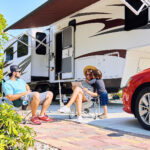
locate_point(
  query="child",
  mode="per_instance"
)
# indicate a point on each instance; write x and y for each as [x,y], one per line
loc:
[100,87]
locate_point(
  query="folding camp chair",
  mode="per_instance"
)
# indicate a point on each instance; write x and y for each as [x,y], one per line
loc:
[86,109]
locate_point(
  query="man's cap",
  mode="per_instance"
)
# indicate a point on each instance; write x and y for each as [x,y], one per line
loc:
[14,68]
[87,68]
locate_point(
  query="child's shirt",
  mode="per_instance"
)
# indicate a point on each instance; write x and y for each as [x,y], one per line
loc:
[99,85]
[88,86]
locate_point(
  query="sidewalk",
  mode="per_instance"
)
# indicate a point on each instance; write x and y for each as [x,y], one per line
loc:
[113,133]
[69,135]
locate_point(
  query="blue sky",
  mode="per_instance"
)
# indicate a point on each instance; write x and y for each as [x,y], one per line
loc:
[13,10]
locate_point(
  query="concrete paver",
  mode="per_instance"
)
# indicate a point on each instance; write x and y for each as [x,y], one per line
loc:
[69,135]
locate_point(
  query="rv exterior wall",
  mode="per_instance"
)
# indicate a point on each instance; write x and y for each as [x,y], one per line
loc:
[137,60]
[95,36]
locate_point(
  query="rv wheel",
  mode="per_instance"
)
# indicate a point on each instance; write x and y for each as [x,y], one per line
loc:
[39,89]
[142,108]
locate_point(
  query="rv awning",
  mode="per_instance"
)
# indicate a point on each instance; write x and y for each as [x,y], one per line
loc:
[50,12]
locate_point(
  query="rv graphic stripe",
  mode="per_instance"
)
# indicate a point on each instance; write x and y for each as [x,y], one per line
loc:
[122,53]
[109,23]
[89,13]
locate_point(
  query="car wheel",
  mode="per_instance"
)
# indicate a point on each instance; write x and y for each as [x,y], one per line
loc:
[142,108]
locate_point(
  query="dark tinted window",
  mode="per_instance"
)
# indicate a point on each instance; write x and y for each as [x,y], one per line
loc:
[133,21]
[22,49]
[9,53]
[41,50]
[136,4]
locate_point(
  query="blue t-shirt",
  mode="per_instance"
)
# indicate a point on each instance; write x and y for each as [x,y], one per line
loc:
[14,87]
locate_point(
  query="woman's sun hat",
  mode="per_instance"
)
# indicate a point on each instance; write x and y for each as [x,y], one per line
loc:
[88,67]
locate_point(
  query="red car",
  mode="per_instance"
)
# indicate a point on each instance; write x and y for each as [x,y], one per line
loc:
[136,97]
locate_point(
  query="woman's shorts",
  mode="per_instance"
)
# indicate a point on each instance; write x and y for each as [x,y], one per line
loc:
[29,97]
[104,99]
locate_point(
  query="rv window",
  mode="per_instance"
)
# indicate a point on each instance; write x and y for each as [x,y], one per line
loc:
[41,49]
[133,21]
[9,53]
[22,49]
[67,38]
[136,4]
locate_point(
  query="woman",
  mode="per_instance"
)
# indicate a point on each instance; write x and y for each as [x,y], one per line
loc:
[82,93]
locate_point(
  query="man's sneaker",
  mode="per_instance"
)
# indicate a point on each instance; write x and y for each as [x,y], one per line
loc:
[64,109]
[102,116]
[45,118]
[79,119]
[35,120]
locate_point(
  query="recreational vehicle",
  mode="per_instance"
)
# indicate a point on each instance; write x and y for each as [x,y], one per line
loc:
[62,41]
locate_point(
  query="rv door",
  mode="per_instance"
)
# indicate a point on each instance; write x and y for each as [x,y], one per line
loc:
[68,53]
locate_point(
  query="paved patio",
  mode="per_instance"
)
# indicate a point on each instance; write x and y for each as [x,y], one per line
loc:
[120,131]
[69,135]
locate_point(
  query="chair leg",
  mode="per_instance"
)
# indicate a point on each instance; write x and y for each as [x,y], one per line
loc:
[24,120]
[95,110]
[98,106]
[73,112]
[27,114]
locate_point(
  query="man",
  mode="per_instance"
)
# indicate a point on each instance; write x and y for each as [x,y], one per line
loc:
[16,90]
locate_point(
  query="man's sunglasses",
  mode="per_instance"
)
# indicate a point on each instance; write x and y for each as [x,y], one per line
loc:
[18,71]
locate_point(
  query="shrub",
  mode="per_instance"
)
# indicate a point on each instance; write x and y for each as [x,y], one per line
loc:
[13,136]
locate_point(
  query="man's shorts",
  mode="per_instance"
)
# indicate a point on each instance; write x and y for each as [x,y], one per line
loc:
[29,97]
